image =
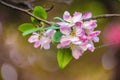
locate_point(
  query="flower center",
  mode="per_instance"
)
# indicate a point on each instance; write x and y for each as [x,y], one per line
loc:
[71,45]
[73,33]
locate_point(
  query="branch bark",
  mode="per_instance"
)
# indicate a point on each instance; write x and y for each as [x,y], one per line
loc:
[25,11]
[103,16]
[50,23]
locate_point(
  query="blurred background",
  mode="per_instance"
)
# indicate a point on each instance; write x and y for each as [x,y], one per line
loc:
[19,60]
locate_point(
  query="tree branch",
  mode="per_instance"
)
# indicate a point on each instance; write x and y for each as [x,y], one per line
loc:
[25,11]
[50,23]
[103,16]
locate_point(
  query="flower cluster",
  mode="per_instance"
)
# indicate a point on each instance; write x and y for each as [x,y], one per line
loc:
[78,35]
[42,39]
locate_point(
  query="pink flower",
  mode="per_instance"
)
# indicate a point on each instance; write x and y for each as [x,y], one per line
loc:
[42,40]
[33,38]
[112,34]
[77,34]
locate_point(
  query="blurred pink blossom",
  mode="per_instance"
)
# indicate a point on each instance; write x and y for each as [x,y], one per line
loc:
[112,34]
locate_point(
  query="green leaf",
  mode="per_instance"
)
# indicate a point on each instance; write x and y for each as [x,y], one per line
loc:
[57,36]
[26,26]
[52,27]
[31,31]
[64,56]
[27,32]
[39,12]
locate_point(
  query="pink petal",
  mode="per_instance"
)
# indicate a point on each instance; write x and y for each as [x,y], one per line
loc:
[90,25]
[45,42]
[67,16]
[91,47]
[76,52]
[83,47]
[86,25]
[50,32]
[63,23]
[46,46]
[93,24]
[96,39]
[78,29]
[87,15]
[33,38]
[37,44]
[75,40]
[65,30]
[94,34]
[83,37]
[64,41]
[77,16]
[78,24]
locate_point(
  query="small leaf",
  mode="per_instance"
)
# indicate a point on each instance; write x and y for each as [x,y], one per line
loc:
[31,31]
[64,56]
[39,12]
[26,26]
[57,36]
[52,27]
[38,29]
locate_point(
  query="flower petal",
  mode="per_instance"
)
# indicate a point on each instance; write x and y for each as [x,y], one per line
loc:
[78,29]
[76,52]
[91,47]
[87,15]
[96,39]
[64,41]
[33,38]
[83,47]
[63,23]
[67,16]
[46,46]
[90,25]
[65,30]
[45,42]
[94,34]
[83,37]
[93,24]
[75,40]
[50,32]
[37,44]
[77,16]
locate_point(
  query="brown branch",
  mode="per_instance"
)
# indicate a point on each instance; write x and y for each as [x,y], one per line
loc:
[103,16]
[50,23]
[48,10]
[25,11]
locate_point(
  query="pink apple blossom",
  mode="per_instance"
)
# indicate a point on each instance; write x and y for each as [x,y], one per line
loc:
[78,35]
[43,39]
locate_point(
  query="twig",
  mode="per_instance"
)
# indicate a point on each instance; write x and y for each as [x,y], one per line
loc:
[48,10]
[103,16]
[50,23]
[25,11]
